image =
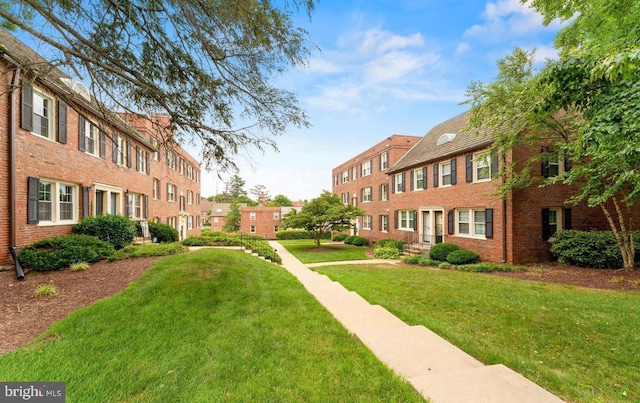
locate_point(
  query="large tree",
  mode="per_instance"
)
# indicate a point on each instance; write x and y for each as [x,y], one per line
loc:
[261,194]
[208,65]
[321,215]
[586,105]
[280,200]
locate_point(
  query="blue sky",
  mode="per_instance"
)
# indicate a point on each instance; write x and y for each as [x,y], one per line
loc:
[384,67]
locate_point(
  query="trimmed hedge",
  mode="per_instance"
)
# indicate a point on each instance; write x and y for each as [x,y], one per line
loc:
[356,240]
[596,249]
[462,256]
[118,230]
[339,237]
[299,234]
[163,233]
[440,251]
[61,252]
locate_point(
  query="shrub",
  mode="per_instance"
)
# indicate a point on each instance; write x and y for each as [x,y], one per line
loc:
[80,266]
[45,290]
[487,267]
[440,251]
[299,234]
[587,249]
[385,243]
[149,250]
[359,241]
[162,232]
[118,230]
[61,252]
[387,252]
[462,256]
[421,260]
[339,237]
[349,240]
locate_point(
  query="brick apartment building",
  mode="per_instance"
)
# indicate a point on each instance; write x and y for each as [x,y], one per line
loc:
[64,157]
[443,190]
[263,221]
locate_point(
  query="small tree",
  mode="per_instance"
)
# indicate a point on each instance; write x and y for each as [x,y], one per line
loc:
[322,214]
[280,201]
[261,194]
[232,219]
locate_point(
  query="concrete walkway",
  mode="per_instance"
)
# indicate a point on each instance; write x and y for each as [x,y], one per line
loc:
[440,371]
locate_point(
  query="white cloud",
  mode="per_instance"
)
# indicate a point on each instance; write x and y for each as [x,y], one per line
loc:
[506,18]
[379,41]
[462,47]
[321,66]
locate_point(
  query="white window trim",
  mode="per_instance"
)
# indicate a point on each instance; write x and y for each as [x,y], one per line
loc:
[399,184]
[384,158]
[171,193]
[367,194]
[91,128]
[55,203]
[276,215]
[481,158]
[51,129]
[385,223]
[367,222]
[472,223]
[417,188]
[122,149]
[109,190]
[559,221]
[441,174]
[384,189]
[366,168]
[408,227]
[252,215]
[345,176]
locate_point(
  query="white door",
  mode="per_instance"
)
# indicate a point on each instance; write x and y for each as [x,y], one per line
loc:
[426,227]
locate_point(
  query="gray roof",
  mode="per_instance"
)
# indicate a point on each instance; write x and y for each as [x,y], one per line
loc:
[426,150]
[16,52]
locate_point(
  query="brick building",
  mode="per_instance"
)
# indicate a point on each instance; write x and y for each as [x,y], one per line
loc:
[64,157]
[263,221]
[443,190]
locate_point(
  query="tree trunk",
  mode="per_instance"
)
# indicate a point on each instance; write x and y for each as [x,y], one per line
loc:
[623,235]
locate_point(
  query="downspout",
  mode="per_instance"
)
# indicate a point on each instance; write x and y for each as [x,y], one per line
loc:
[12,174]
[504,218]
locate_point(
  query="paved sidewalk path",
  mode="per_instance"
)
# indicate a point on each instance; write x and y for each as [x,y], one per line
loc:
[440,371]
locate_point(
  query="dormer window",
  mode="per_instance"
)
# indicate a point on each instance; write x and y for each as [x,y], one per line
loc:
[446,138]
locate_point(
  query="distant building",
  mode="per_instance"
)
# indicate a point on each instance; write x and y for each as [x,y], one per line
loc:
[263,221]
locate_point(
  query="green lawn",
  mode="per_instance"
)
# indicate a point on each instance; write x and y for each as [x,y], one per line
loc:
[206,326]
[582,345]
[307,252]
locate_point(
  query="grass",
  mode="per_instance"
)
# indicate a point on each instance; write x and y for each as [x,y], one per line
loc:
[80,266]
[148,250]
[45,290]
[307,252]
[211,325]
[580,344]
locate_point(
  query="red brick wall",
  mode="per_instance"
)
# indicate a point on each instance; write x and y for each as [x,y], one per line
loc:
[264,222]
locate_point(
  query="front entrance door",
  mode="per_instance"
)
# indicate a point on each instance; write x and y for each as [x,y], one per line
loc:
[426,227]
[439,219]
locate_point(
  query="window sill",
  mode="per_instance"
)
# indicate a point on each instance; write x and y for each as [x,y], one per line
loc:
[478,237]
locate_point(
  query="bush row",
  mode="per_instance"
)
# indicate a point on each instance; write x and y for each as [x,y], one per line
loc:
[356,240]
[451,253]
[597,249]
[388,249]
[299,234]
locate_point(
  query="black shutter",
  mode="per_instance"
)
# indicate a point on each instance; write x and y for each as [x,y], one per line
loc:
[81,133]
[424,177]
[395,219]
[393,183]
[114,148]
[567,218]
[488,222]
[404,182]
[362,194]
[103,144]
[450,222]
[126,204]
[168,191]
[380,162]
[494,162]
[129,149]
[159,188]
[32,203]
[146,206]
[545,224]
[148,159]
[379,223]
[453,172]
[469,167]
[138,162]
[62,122]
[380,192]
[415,220]
[435,175]
[85,201]
[544,162]
[26,114]
[411,179]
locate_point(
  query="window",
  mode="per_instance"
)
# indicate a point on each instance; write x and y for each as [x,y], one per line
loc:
[445,172]
[407,220]
[345,177]
[472,222]
[419,179]
[121,156]
[366,168]
[554,163]
[142,160]
[171,192]
[190,171]
[135,206]
[399,183]
[183,203]
[252,215]
[89,134]
[354,173]
[555,219]
[276,215]
[366,194]
[335,180]
[181,166]
[252,229]
[366,222]
[384,192]
[384,223]
[189,197]
[57,202]
[215,219]
[42,115]
[156,189]
[276,228]
[171,221]
[482,170]
[107,199]
[345,198]
[384,161]
[189,222]
[171,160]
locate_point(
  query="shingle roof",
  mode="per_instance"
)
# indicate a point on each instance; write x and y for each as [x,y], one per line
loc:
[426,150]
[48,75]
